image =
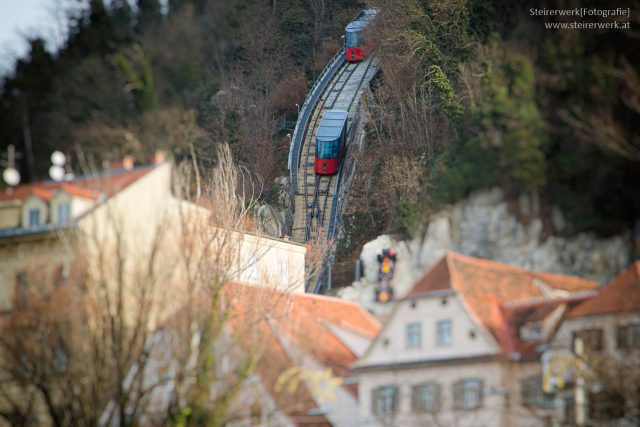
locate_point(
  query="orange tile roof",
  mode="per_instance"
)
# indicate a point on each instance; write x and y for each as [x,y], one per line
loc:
[518,314]
[78,191]
[41,192]
[621,295]
[485,284]
[90,187]
[303,321]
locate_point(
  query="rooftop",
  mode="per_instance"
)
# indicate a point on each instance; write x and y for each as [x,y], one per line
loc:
[331,125]
[621,295]
[87,186]
[517,315]
[485,285]
[304,324]
[362,19]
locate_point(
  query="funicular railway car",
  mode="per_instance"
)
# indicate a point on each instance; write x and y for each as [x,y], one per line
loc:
[356,47]
[331,142]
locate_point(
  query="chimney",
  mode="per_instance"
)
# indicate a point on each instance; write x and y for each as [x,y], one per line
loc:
[158,157]
[127,163]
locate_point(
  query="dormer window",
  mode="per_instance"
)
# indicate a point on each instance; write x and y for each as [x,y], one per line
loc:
[532,332]
[64,213]
[34,217]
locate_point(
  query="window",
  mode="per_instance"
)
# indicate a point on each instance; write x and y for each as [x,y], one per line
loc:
[425,397]
[532,394]
[628,337]
[606,405]
[253,269]
[352,39]
[64,213]
[591,339]
[443,332]
[34,217]
[569,410]
[328,149]
[467,394]
[531,332]
[283,272]
[385,400]
[414,335]
[21,290]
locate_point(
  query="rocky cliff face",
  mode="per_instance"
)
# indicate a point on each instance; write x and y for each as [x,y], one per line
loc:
[277,220]
[482,226]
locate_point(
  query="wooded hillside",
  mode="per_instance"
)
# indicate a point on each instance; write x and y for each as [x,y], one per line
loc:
[131,80]
[472,94]
[477,93]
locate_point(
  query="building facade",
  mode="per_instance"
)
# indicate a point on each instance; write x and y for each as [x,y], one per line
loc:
[593,363]
[130,207]
[449,356]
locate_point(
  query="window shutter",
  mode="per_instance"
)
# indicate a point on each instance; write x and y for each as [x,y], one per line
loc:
[457,394]
[415,398]
[438,391]
[480,393]
[597,339]
[525,388]
[394,401]
[622,337]
[374,401]
[634,336]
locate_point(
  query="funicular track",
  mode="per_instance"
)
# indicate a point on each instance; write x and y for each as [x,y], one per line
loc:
[316,198]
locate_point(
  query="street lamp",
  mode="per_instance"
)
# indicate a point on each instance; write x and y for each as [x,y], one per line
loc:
[298,107]
[289,136]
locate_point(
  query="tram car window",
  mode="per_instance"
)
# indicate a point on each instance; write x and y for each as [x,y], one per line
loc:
[331,142]
[356,47]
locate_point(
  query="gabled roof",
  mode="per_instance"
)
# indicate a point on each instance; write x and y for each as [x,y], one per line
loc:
[621,295]
[298,324]
[89,187]
[307,318]
[483,285]
[517,315]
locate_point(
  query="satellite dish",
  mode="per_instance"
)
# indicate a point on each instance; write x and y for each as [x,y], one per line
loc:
[56,173]
[58,158]
[11,176]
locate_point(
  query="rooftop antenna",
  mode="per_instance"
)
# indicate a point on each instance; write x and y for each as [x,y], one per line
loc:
[11,175]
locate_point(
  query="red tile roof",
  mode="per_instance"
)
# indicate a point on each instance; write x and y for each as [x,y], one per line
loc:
[519,314]
[90,187]
[485,284]
[302,320]
[621,295]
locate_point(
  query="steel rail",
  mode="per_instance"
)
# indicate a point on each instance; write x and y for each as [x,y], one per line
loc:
[334,211]
[335,202]
[329,93]
[305,113]
[310,132]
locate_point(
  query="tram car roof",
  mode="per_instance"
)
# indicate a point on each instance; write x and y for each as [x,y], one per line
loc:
[362,19]
[331,125]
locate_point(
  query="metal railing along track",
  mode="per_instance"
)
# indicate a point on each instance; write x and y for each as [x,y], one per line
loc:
[305,114]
